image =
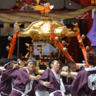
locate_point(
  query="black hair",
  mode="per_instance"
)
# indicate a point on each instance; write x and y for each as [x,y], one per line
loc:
[2,60]
[14,58]
[5,67]
[91,57]
[51,62]
[70,63]
[6,61]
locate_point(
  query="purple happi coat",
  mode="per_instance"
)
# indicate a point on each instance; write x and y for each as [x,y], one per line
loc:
[85,83]
[7,77]
[0,77]
[21,83]
[49,76]
[67,81]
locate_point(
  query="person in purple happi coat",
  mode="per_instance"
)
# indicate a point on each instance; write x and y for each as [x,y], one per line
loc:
[24,84]
[51,81]
[9,73]
[85,82]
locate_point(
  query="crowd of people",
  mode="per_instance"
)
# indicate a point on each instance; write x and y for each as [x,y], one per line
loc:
[17,81]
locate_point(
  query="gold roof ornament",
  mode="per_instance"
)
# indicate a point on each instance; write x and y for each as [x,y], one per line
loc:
[43,7]
[40,30]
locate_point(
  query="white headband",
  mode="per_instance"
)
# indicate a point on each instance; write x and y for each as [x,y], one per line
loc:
[7,63]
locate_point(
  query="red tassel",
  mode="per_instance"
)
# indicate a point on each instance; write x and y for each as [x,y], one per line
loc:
[51,26]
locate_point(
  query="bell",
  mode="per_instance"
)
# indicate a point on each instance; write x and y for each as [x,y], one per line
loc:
[83,36]
[65,49]
[64,42]
[9,38]
[6,28]
[74,29]
[7,48]
[87,48]
[57,38]
[80,42]
[27,44]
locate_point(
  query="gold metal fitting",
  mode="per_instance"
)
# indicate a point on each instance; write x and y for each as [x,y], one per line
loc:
[83,36]
[87,48]
[65,49]
[57,38]
[80,42]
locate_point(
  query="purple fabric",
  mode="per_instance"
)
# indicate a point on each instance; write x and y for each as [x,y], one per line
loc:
[80,85]
[49,76]
[7,76]
[67,81]
[92,34]
[15,93]
[21,82]
[2,94]
[32,92]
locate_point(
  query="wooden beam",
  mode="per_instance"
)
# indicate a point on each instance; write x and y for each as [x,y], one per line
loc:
[31,17]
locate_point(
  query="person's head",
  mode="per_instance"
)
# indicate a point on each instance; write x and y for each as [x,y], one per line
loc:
[2,61]
[31,64]
[91,57]
[71,66]
[14,58]
[65,69]
[8,63]
[54,64]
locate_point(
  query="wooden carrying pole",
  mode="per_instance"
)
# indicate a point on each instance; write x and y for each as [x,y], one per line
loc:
[65,74]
